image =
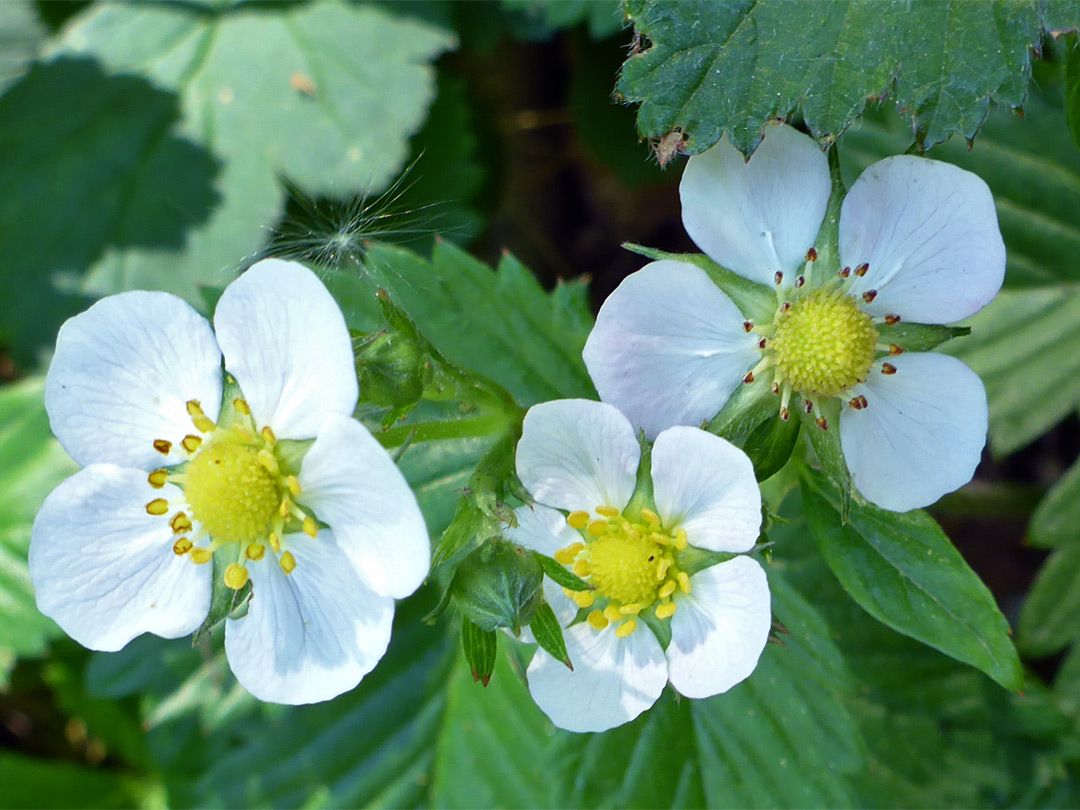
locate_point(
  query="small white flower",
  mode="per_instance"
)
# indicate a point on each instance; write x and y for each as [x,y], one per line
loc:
[181,465]
[918,242]
[581,457]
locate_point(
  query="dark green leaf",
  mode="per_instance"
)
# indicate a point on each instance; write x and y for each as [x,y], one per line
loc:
[481,649]
[30,782]
[545,17]
[1056,520]
[1072,88]
[21,34]
[770,445]
[902,569]
[710,68]
[826,446]
[561,575]
[549,633]
[1050,617]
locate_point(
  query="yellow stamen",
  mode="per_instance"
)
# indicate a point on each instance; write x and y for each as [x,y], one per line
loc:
[668,589]
[612,614]
[684,582]
[240,406]
[158,506]
[268,436]
[311,528]
[650,516]
[236,576]
[202,422]
[630,610]
[191,443]
[243,432]
[181,547]
[661,568]
[283,507]
[275,542]
[266,458]
[626,628]
[158,478]
[681,539]
[201,556]
[607,511]
[565,556]
[662,539]
[583,599]
[294,485]
[597,527]
[287,562]
[665,611]
[597,620]
[255,551]
[577,520]
[180,523]
[581,568]
[163,446]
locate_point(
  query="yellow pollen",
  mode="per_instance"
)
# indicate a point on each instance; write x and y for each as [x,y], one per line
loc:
[202,422]
[266,458]
[681,540]
[191,443]
[287,562]
[181,547]
[597,528]
[577,520]
[684,582]
[158,478]
[163,446]
[275,542]
[256,551]
[158,506]
[612,614]
[236,576]
[180,523]
[201,556]
[580,567]
[626,628]
[268,436]
[651,517]
[240,406]
[583,599]
[565,556]
[824,344]
[597,620]
[607,511]
[294,485]
[666,610]
[311,528]
[631,609]
[231,493]
[622,568]
[668,589]
[661,569]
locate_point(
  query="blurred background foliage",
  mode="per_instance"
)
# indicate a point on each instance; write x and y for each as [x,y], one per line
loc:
[470,159]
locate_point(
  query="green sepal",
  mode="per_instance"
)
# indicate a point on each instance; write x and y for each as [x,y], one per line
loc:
[548,634]
[661,628]
[756,301]
[826,446]
[828,237]
[746,409]
[481,512]
[770,445]
[224,601]
[919,337]
[643,486]
[498,585]
[693,559]
[481,648]
[561,575]
[390,363]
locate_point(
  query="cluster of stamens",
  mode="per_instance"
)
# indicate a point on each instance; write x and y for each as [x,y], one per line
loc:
[632,565]
[820,343]
[237,490]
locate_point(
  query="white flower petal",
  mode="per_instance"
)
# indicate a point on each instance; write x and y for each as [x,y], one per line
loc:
[929,231]
[285,341]
[758,217]
[105,570]
[352,484]
[922,433]
[706,485]
[578,454]
[613,680]
[720,628]
[311,635]
[668,347]
[546,530]
[122,375]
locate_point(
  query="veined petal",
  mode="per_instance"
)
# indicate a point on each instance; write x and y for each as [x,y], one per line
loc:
[546,530]
[613,680]
[122,375]
[921,434]
[929,232]
[758,217]
[668,347]
[578,454]
[720,628]
[105,570]
[310,635]
[352,484]
[706,485]
[285,341]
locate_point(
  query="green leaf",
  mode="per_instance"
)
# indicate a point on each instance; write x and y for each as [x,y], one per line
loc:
[545,17]
[481,649]
[1056,520]
[711,68]
[1072,89]
[494,744]
[827,449]
[919,337]
[903,571]
[1026,348]
[30,782]
[168,125]
[1050,616]
[21,34]
[32,463]
[745,748]
[770,445]
[549,633]
[561,575]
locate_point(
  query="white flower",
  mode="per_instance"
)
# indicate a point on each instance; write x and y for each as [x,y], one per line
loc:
[918,242]
[581,457]
[182,465]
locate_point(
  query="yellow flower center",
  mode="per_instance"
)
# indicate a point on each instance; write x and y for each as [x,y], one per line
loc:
[824,344]
[231,493]
[631,564]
